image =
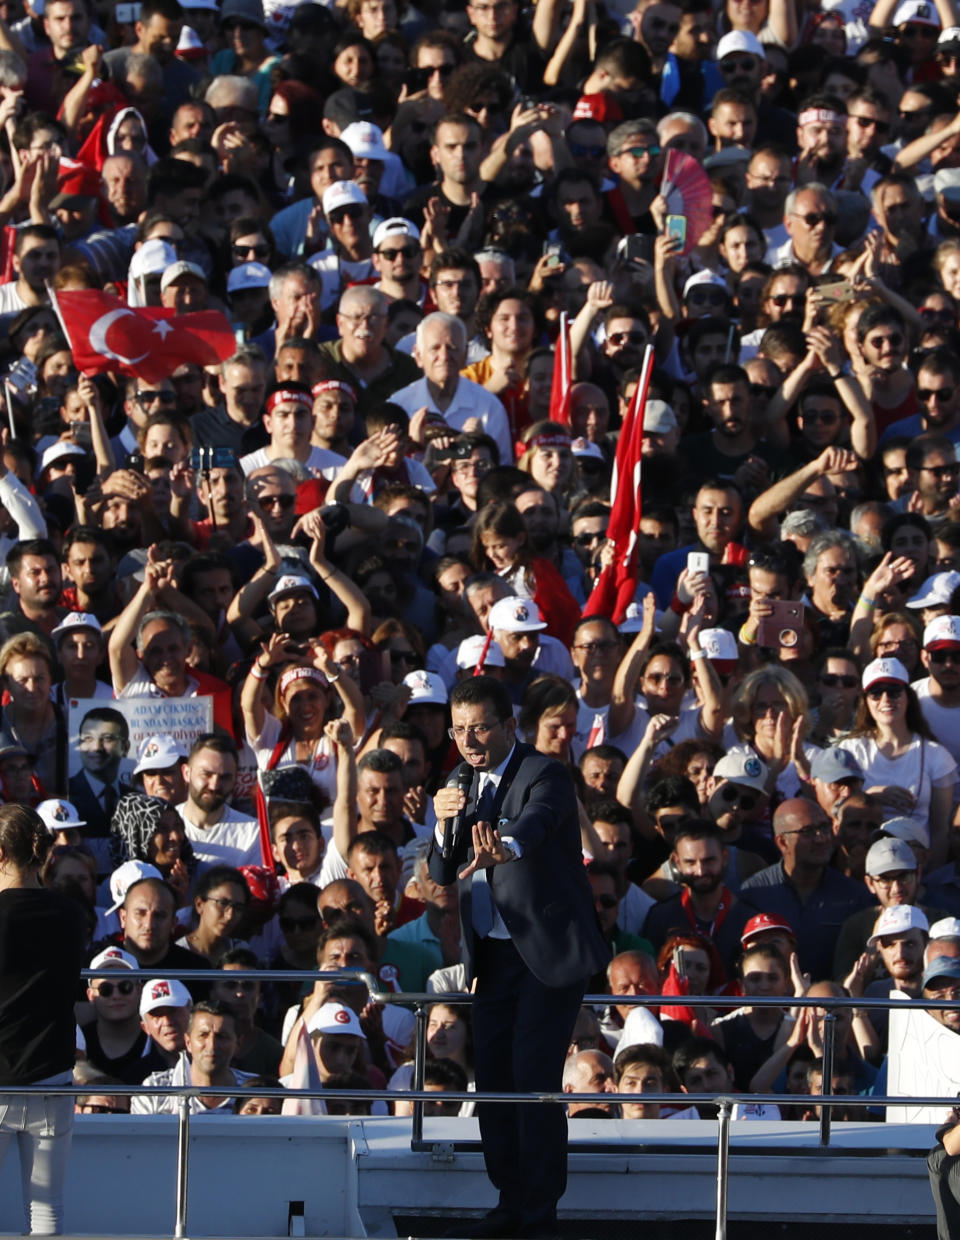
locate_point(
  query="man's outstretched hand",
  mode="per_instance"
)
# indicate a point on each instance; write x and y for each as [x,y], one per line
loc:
[488,849]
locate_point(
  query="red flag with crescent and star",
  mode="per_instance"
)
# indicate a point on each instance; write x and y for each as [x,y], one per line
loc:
[150,342]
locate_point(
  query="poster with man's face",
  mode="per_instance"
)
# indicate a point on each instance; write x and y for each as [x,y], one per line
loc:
[105,736]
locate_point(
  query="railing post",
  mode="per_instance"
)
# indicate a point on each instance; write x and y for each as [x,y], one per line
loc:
[419,1056]
[723,1165]
[829,1037]
[183,1165]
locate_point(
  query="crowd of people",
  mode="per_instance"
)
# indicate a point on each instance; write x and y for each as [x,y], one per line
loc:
[399,210]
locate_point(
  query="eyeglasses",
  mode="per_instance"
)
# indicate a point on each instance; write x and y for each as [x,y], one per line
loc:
[894,880]
[664,678]
[627,338]
[940,395]
[152,398]
[939,657]
[579,151]
[819,415]
[732,795]
[298,923]
[105,989]
[816,830]
[867,122]
[941,471]
[246,987]
[407,251]
[893,692]
[443,70]
[892,645]
[479,730]
[813,218]
[834,680]
[277,501]
[929,315]
[638,152]
[471,467]
[786,299]
[244,251]
[728,66]
[607,902]
[225,905]
[404,656]
[353,212]
[603,647]
[708,296]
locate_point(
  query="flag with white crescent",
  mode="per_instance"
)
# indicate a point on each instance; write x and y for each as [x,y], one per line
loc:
[150,342]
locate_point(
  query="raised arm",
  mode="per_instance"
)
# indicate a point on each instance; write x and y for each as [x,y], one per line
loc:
[599,297]
[102,451]
[622,708]
[278,650]
[121,646]
[345,806]
[776,499]
[358,607]
[783,22]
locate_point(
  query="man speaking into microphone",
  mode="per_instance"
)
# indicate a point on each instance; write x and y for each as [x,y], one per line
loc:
[529,937]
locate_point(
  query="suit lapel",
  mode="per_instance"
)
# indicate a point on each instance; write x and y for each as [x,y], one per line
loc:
[506,779]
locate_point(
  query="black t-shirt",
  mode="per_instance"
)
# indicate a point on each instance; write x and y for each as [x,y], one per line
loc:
[42,950]
[133,1066]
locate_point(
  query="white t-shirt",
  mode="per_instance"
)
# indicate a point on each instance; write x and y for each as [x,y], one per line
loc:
[321,463]
[322,767]
[925,765]
[944,721]
[234,840]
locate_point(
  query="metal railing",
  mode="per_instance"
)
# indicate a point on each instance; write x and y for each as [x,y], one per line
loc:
[420,1001]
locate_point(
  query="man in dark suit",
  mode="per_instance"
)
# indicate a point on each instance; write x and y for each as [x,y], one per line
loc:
[102,744]
[530,938]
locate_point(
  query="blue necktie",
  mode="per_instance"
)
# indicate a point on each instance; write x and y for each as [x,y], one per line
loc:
[481,907]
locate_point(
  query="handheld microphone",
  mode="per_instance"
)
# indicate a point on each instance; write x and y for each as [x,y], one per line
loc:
[462,779]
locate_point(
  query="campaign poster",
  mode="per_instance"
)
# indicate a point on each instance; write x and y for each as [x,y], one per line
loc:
[105,734]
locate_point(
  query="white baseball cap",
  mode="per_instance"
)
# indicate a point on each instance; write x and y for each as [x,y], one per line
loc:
[178,270]
[152,259]
[516,615]
[365,141]
[426,688]
[342,194]
[920,12]
[910,830]
[470,649]
[659,418]
[124,876]
[335,1018]
[60,451]
[114,955]
[880,670]
[59,815]
[946,928]
[898,919]
[584,448]
[936,591]
[164,992]
[77,620]
[705,277]
[248,275]
[395,226]
[640,1027]
[158,753]
[289,584]
[942,633]
[719,645]
[743,768]
[740,41]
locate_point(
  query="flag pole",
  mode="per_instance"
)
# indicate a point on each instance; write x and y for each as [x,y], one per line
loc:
[56,310]
[6,390]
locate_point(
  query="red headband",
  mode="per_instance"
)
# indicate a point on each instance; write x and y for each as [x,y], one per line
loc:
[334,385]
[287,396]
[549,440]
[823,116]
[293,674]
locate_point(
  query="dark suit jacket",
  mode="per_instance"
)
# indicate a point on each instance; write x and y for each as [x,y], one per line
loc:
[88,806]
[544,896]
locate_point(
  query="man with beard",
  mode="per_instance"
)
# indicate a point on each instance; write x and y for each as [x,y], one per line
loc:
[517,625]
[937,469]
[34,570]
[542,518]
[661,460]
[768,179]
[941,981]
[656,24]
[457,153]
[732,449]
[899,938]
[830,567]
[898,209]
[441,350]
[350,257]
[219,835]
[705,904]
[938,393]
[718,513]
[822,139]
[939,692]
[588,530]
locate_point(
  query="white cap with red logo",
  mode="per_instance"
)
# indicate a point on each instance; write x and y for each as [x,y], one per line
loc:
[335,1018]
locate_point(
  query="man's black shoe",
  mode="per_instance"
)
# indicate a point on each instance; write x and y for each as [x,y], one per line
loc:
[498,1224]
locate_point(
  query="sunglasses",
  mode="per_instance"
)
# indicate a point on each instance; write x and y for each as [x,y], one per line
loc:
[585,540]
[443,70]
[408,251]
[298,923]
[278,501]
[919,32]
[151,398]
[578,151]
[244,251]
[707,297]
[819,415]
[867,122]
[940,395]
[833,680]
[733,796]
[664,678]
[941,471]
[638,152]
[353,212]
[404,656]
[939,657]
[813,218]
[892,691]
[786,299]
[106,989]
[929,315]
[627,338]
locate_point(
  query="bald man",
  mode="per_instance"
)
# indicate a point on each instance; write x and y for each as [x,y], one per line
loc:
[802,887]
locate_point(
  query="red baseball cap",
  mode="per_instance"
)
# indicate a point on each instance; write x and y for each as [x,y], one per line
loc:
[763,922]
[599,107]
[77,181]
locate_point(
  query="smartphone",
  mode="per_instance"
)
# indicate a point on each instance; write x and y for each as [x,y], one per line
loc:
[135,462]
[836,290]
[127,14]
[678,962]
[698,562]
[677,227]
[417,80]
[553,254]
[782,629]
[637,248]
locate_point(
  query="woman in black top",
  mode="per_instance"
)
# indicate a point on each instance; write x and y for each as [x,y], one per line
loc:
[42,935]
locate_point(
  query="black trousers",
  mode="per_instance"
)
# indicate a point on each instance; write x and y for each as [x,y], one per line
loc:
[521,1032]
[944,1171]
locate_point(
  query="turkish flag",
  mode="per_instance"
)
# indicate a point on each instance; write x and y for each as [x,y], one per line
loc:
[150,342]
[562,380]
